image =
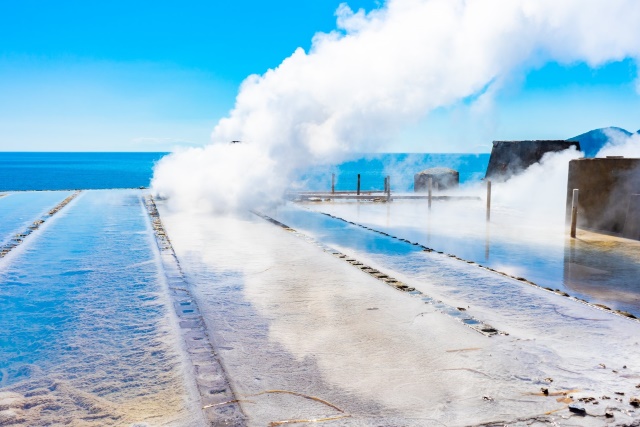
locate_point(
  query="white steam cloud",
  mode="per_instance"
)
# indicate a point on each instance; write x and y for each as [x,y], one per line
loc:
[540,192]
[621,144]
[379,71]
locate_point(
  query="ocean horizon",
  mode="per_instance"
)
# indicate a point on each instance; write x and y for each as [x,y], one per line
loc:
[33,171]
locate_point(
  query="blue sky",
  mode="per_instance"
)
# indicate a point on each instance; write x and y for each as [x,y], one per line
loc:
[147,76]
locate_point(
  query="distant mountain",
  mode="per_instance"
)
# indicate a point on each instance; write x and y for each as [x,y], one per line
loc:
[591,142]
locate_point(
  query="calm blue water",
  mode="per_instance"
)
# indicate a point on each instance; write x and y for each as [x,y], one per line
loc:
[19,210]
[83,313]
[546,263]
[66,171]
[399,166]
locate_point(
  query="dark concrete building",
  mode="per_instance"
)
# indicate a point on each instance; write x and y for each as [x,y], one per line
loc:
[509,158]
[442,179]
[609,195]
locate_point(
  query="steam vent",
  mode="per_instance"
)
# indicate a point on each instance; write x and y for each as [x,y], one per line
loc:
[442,178]
[609,195]
[509,158]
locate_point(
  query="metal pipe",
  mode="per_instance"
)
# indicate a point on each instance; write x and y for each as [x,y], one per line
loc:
[333,183]
[574,212]
[488,200]
[388,188]
[358,191]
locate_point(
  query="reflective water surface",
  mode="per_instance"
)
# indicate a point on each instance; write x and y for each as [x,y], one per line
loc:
[86,337]
[599,268]
[18,210]
[304,335]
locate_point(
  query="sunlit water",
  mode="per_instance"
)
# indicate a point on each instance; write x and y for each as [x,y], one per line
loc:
[64,171]
[400,167]
[86,336]
[595,267]
[286,315]
[19,210]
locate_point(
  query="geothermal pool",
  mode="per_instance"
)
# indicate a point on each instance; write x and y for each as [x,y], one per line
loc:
[91,332]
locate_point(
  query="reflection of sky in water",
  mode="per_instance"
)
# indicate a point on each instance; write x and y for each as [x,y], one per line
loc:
[286,315]
[593,267]
[19,210]
[83,304]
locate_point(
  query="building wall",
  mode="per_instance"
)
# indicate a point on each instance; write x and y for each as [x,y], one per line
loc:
[442,179]
[606,197]
[512,157]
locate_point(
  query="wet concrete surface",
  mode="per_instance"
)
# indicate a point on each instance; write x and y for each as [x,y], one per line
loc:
[598,268]
[297,327]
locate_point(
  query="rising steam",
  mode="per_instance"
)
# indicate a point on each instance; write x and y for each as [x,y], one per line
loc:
[620,144]
[540,191]
[359,85]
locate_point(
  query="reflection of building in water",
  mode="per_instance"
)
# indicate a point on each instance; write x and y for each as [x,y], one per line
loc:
[609,195]
[603,267]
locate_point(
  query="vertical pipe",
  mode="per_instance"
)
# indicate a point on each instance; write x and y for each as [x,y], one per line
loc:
[358,192]
[429,188]
[333,183]
[388,188]
[574,212]
[487,242]
[488,200]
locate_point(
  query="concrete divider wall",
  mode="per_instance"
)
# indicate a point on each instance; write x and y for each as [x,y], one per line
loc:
[607,187]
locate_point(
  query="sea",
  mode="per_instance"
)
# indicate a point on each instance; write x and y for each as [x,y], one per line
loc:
[22,171]
[70,171]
